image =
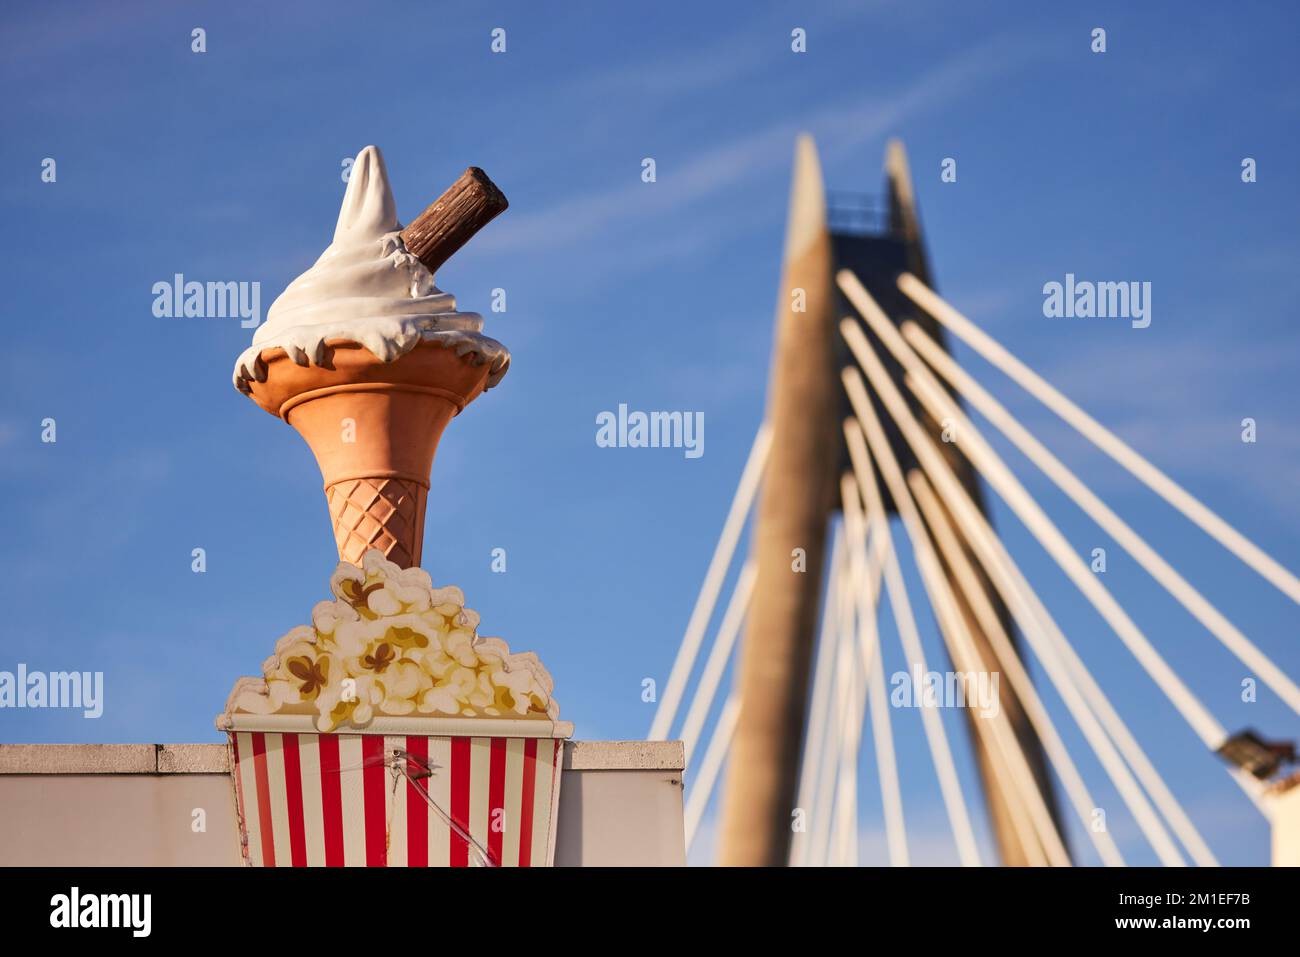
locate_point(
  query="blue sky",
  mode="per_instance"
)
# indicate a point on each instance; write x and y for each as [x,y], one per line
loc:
[225,166]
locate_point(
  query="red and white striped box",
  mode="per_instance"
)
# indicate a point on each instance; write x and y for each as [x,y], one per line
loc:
[480,793]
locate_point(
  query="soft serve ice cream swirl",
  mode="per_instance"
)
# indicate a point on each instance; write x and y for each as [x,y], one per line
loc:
[366,288]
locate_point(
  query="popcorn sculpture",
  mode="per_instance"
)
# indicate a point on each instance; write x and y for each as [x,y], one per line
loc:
[387,732]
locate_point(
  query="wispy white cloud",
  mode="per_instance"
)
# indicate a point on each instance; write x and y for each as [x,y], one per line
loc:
[687,71]
[839,128]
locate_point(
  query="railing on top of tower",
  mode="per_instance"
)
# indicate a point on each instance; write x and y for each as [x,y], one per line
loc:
[857,214]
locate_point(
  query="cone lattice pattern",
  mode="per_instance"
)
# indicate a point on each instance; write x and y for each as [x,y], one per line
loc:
[382,513]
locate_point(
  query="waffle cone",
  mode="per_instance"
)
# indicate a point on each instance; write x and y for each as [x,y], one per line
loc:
[374,428]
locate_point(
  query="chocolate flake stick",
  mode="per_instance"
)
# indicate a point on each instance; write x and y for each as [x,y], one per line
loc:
[453,218]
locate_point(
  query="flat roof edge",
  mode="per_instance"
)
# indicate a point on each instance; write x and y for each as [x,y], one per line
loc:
[39,759]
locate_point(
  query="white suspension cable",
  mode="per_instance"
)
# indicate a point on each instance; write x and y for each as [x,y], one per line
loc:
[923,384]
[882,734]
[719,656]
[1000,739]
[872,665]
[989,621]
[702,787]
[994,470]
[935,736]
[1116,527]
[844,848]
[713,578]
[1083,697]
[1160,483]
[820,824]
[1049,535]
[1026,805]
[1040,629]
[810,766]
[823,817]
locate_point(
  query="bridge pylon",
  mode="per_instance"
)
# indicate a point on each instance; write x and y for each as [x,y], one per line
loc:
[805,408]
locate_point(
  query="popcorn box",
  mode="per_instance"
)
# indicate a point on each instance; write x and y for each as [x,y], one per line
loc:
[388,732]
[405,792]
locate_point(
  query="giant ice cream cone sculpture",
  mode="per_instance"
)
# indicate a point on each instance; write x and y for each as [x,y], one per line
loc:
[368,360]
[388,731]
